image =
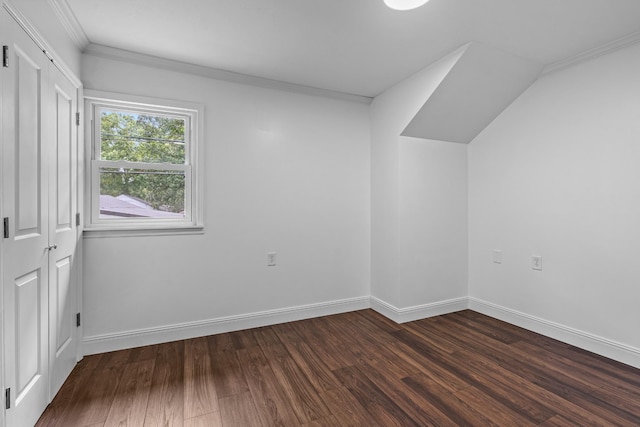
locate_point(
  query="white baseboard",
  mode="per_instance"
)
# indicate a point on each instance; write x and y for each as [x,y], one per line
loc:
[409,314]
[141,337]
[602,346]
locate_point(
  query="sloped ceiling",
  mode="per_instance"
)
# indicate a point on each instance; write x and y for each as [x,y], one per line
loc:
[357,47]
[361,47]
[481,84]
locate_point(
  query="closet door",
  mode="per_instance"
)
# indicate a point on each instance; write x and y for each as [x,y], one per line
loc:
[63,233]
[25,203]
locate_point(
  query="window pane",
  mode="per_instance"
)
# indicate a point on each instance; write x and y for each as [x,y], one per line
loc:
[147,138]
[141,193]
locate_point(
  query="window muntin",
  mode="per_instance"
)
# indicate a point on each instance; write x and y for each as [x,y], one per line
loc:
[142,166]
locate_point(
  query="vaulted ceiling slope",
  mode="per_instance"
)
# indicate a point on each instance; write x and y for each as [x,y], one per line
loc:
[479,86]
[355,47]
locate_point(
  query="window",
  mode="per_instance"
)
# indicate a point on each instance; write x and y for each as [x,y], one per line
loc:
[143,163]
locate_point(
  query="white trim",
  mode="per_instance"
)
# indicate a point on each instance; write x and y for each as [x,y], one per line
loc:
[409,314]
[110,233]
[194,169]
[590,342]
[70,23]
[107,52]
[596,52]
[141,337]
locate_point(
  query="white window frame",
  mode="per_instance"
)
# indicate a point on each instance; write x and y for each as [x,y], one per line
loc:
[193,167]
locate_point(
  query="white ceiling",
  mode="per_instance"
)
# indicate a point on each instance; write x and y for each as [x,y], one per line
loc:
[356,47]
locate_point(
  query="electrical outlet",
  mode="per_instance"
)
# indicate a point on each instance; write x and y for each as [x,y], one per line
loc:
[536,262]
[497,256]
[271,259]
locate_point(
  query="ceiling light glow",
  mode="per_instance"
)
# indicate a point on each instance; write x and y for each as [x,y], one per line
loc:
[404,4]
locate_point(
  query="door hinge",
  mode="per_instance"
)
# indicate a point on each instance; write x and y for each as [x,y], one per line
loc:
[78,119]
[6,228]
[78,219]
[7,398]
[5,56]
[77,320]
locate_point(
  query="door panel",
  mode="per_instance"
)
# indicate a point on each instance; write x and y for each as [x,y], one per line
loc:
[27,142]
[65,108]
[29,334]
[63,233]
[64,312]
[25,200]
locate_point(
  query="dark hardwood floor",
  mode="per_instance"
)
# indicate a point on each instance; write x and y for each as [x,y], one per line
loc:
[354,369]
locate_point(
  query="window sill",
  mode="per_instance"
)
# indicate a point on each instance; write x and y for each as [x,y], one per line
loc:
[107,232]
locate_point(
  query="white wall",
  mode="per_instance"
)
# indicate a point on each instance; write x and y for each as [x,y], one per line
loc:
[433,221]
[554,175]
[414,184]
[285,172]
[557,175]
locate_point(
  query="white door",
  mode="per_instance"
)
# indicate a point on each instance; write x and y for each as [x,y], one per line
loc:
[25,202]
[62,229]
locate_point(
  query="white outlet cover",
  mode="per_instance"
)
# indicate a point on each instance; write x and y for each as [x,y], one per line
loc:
[271,259]
[497,256]
[536,262]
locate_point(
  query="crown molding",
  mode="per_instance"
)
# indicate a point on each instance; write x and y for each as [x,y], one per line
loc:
[108,52]
[596,52]
[70,23]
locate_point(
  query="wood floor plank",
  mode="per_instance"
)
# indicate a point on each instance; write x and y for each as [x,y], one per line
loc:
[243,339]
[428,357]
[200,397]
[266,336]
[383,323]
[302,396]
[94,401]
[166,398]
[373,399]
[62,408]
[548,375]
[447,403]
[239,411]
[621,395]
[130,402]
[412,403]
[353,369]
[577,369]
[453,364]
[346,409]
[139,354]
[490,381]
[491,331]
[492,409]
[613,368]
[269,397]
[373,350]
[431,337]
[322,340]
[509,381]
[209,420]
[311,364]
[557,421]
[330,421]
[226,370]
